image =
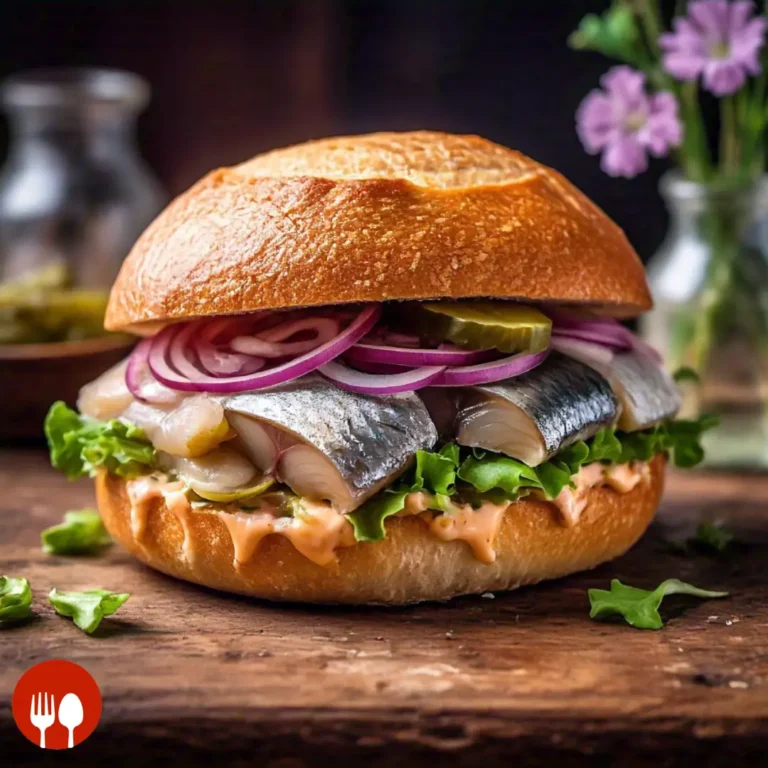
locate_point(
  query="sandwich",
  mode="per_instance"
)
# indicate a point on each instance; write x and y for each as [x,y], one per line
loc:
[378,369]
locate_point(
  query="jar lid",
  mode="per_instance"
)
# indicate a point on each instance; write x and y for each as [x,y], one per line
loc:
[74,87]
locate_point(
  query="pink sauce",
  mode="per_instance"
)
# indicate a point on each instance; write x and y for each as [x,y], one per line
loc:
[571,502]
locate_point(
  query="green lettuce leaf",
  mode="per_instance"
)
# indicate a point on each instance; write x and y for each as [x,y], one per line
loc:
[368,520]
[640,607]
[87,609]
[435,471]
[80,446]
[471,471]
[82,532]
[15,599]
[497,471]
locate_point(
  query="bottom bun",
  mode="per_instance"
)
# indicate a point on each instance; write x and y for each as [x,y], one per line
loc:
[409,565]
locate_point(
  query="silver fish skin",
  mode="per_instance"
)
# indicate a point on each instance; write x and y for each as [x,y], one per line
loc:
[533,416]
[647,393]
[365,441]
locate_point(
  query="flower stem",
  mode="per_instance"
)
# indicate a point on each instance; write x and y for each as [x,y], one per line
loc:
[693,155]
[729,138]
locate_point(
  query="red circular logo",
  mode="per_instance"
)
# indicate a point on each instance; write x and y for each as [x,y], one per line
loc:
[56,704]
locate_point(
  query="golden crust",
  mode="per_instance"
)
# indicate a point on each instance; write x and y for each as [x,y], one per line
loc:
[375,218]
[408,566]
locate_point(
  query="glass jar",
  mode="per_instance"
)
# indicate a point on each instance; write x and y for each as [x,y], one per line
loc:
[709,281]
[74,192]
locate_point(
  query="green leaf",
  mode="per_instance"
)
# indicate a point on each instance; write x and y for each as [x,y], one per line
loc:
[604,446]
[614,34]
[435,471]
[686,373]
[712,536]
[639,607]
[81,446]
[15,599]
[368,520]
[87,609]
[497,471]
[82,532]
[553,477]
[483,472]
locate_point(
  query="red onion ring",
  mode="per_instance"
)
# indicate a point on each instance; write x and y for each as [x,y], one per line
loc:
[377,384]
[198,381]
[603,331]
[139,379]
[613,340]
[383,368]
[267,343]
[486,373]
[220,362]
[376,353]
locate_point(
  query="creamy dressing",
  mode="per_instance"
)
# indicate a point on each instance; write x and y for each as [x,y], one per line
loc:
[477,527]
[143,491]
[622,478]
[316,531]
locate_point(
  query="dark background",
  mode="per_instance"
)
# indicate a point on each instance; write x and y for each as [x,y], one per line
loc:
[234,77]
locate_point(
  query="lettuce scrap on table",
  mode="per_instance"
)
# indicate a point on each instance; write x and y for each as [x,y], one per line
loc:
[88,608]
[470,472]
[81,532]
[15,599]
[640,607]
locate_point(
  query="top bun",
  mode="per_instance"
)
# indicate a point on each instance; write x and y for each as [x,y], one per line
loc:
[375,218]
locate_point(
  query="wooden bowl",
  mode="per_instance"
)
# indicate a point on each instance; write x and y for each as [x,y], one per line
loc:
[32,376]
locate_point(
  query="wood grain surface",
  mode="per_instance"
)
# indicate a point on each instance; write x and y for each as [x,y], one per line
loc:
[193,677]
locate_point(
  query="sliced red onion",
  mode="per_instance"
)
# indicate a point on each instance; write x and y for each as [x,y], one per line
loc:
[220,362]
[597,356]
[267,343]
[603,331]
[447,355]
[607,339]
[380,384]
[198,381]
[485,373]
[385,368]
[139,380]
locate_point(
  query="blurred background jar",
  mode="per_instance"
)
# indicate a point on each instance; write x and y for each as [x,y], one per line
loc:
[709,281]
[74,196]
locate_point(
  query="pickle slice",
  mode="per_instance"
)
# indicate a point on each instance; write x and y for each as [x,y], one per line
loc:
[484,325]
[226,497]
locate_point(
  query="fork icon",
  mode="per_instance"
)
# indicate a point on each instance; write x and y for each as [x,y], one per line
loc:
[43,715]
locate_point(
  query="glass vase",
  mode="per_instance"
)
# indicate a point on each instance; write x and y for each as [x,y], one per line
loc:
[709,281]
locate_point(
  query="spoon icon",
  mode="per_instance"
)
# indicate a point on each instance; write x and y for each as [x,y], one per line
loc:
[71,715]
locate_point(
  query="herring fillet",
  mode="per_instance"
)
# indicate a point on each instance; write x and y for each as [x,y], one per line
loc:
[533,416]
[327,442]
[647,393]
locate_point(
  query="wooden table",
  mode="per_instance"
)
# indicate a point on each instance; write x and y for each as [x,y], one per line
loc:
[190,676]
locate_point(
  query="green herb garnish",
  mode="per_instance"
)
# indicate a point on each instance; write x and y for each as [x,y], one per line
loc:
[87,609]
[640,607]
[15,599]
[82,532]
[712,536]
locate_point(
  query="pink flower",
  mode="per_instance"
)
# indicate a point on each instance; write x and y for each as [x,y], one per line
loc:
[625,123]
[717,40]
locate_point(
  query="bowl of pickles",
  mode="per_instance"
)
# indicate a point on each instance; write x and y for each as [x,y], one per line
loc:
[52,341]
